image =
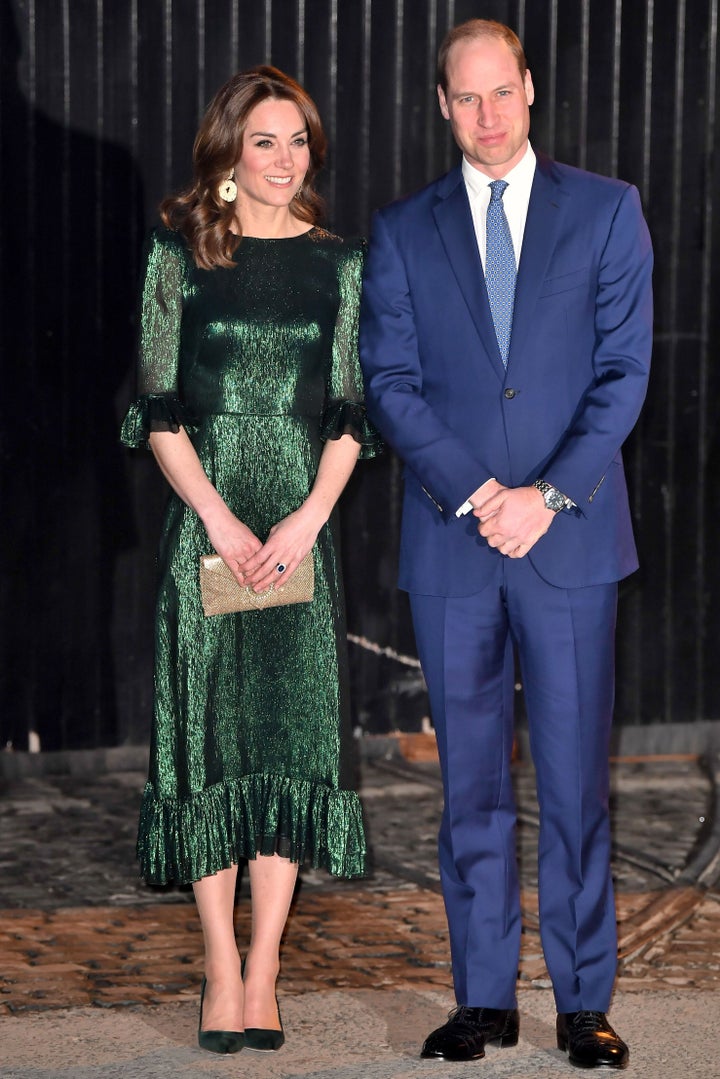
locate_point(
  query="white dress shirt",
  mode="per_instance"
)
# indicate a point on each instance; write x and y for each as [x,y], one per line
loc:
[516,199]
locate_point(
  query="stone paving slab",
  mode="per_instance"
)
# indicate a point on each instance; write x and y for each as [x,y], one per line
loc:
[349,1034]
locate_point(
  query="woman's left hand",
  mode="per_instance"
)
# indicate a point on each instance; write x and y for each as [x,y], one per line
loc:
[283,551]
[291,539]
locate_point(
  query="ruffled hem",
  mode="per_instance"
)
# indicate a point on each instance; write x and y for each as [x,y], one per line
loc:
[350,418]
[183,841]
[155,412]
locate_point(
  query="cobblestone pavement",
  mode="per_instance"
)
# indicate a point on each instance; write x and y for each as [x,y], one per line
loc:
[78,927]
[100,973]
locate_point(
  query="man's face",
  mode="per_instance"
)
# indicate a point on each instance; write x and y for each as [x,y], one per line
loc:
[488,104]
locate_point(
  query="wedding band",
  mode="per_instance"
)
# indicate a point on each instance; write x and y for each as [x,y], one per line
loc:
[281,567]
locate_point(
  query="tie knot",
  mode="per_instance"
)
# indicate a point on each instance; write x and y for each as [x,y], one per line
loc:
[497,190]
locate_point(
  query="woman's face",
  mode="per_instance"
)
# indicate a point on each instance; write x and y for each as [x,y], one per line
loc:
[275,155]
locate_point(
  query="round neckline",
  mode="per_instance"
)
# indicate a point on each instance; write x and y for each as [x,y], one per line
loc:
[280,239]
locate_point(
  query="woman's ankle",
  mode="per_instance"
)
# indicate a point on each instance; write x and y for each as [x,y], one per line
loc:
[257,966]
[223,970]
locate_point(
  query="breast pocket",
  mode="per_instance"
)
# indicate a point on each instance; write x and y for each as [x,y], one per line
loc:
[552,286]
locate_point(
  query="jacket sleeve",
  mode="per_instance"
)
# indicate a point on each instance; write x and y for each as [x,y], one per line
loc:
[621,360]
[390,358]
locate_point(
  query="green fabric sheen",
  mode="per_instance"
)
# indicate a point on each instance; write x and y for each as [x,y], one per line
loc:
[250,747]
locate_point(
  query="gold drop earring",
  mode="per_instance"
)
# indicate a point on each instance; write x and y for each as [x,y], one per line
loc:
[228,188]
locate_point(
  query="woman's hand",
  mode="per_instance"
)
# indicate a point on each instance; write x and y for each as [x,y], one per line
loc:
[291,539]
[179,462]
[287,544]
[234,542]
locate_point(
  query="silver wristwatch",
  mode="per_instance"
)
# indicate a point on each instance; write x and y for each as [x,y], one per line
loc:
[554,500]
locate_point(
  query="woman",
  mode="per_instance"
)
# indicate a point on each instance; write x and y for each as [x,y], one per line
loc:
[251,401]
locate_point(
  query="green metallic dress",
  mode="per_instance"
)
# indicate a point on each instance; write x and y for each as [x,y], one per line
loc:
[250,748]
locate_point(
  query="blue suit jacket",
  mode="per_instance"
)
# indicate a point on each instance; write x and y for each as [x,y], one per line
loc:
[575,381]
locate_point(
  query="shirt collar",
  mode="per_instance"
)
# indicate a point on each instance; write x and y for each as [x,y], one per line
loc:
[522,174]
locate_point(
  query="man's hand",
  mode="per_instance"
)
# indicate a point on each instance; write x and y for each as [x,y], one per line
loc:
[487,490]
[513,519]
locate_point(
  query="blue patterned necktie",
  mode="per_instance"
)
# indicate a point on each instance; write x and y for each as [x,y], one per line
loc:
[500,271]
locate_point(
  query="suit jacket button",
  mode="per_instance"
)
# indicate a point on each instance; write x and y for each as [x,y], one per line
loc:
[510,393]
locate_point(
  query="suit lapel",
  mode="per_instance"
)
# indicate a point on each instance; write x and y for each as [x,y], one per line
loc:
[454,222]
[546,211]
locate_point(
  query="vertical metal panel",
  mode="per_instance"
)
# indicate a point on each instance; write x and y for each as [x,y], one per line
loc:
[706,642]
[552,68]
[398,101]
[133,81]
[99,252]
[300,42]
[98,125]
[201,96]
[615,94]
[332,97]
[167,54]
[669,488]
[234,31]
[267,55]
[364,120]
[583,88]
[648,96]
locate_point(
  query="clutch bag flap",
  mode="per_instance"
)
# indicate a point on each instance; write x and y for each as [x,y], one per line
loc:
[221,593]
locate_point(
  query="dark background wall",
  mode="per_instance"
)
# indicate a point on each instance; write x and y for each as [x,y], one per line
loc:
[99,103]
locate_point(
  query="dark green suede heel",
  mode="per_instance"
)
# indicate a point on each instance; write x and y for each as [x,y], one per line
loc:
[218,1041]
[261,1039]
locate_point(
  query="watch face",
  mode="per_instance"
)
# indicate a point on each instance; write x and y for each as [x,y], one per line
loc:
[554,500]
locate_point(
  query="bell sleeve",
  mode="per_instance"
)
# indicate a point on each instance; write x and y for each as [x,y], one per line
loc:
[344,412]
[159,406]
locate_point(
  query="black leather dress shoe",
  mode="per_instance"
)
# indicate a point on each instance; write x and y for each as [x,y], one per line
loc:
[467,1032]
[590,1041]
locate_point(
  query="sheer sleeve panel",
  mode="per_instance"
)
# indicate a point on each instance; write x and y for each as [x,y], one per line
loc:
[344,408]
[159,406]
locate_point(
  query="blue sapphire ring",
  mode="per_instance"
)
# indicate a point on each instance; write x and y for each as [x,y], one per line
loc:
[281,567]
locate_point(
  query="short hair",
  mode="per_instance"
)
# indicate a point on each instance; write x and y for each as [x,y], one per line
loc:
[471,31]
[198,212]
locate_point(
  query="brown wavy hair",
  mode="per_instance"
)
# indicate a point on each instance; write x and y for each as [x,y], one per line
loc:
[471,31]
[198,212]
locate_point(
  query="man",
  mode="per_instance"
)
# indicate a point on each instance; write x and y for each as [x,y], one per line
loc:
[505,338]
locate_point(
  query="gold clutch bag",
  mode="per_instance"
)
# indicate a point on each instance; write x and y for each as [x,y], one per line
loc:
[221,594]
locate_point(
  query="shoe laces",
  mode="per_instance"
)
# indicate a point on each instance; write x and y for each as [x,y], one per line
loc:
[587,1022]
[465,1018]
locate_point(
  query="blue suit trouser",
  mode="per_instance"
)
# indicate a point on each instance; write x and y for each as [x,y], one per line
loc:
[565,644]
